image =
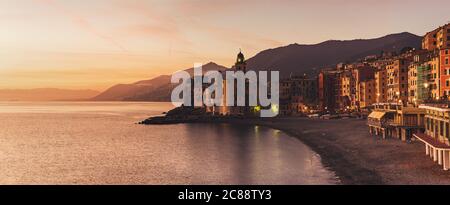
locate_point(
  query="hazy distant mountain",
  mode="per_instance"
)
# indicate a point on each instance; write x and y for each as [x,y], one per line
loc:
[156,89]
[293,58]
[45,94]
[301,59]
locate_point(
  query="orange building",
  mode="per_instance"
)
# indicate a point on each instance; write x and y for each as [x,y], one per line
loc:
[397,85]
[437,39]
[360,74]
[444,58]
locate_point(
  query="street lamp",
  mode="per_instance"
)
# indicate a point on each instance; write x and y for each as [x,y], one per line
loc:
[427,90]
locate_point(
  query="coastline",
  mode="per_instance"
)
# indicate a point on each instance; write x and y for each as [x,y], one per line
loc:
[346,147]
[331,156]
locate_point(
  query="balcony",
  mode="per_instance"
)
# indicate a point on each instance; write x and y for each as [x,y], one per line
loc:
[384,123]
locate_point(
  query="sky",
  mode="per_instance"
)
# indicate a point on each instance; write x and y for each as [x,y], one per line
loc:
[94,44]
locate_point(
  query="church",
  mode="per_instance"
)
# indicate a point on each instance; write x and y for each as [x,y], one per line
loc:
[240,65]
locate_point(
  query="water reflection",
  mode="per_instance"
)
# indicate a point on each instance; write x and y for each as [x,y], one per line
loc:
[58,143]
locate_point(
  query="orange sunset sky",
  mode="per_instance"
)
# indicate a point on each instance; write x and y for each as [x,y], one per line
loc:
[79,44]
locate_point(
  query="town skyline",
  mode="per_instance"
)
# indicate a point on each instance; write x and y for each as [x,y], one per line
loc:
[74,45]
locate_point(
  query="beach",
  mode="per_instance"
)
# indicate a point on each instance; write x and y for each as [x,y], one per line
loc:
[357,157]
[344,145]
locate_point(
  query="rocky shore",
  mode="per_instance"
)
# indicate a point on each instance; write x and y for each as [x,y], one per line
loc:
[346,147]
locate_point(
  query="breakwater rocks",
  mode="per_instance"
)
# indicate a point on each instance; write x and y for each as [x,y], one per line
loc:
[188,115]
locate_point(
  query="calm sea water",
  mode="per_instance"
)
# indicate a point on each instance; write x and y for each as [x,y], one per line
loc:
[99,143]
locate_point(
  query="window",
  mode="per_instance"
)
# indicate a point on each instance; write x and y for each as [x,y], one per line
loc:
[447,83]
[446,61]
[441,128]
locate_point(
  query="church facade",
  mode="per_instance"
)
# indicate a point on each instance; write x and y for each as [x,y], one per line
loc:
[240,65]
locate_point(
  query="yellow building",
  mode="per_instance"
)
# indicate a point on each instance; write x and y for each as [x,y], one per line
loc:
[412,82]
[434,78]
[346,90]
[367,93]
[381,86]
[380,119]
[396,120]
[437,133]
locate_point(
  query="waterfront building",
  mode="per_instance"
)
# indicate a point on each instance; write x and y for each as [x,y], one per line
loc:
[328,91]
[418,73]
[380,119]
[444,64]
[437,39]
[437,133]
[298,94]
[396,120]
[397,85]
[367,95]
[408,120]
[381,85]
[347,91]
[434,84]
[362,73]
[303,93]
[285,91]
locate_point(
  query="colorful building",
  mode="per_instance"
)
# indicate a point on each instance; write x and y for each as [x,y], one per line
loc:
[434,84]
[437,133]
[444,58]
[381,85]
[396,120]
[347,90]
[328,90]
[380,119]
[397,76]
[437,39]
[298,94]
[367,93]
[418,74]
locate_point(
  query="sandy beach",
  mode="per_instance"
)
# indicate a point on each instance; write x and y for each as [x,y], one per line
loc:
[347,148]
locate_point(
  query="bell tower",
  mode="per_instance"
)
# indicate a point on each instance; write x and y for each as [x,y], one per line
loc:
[240,64]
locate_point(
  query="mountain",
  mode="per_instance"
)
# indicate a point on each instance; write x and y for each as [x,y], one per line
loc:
[293,58]
[46,94]
[156,89]
[299,59]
